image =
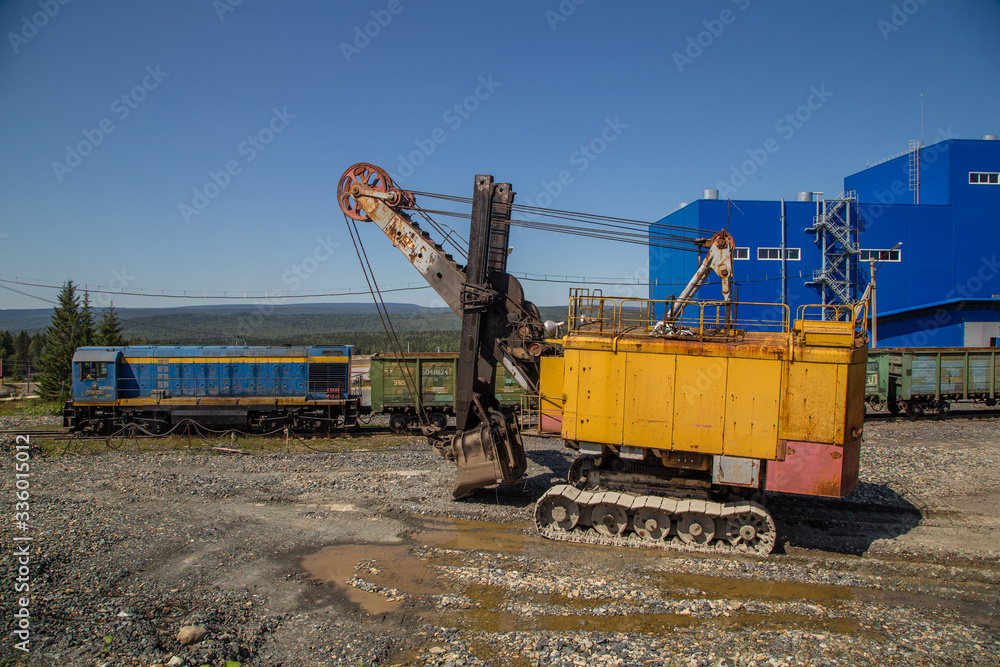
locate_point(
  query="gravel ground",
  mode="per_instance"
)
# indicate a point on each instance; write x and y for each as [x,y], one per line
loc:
[361,558]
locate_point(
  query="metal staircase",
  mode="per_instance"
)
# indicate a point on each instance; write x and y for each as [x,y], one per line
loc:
[836,228]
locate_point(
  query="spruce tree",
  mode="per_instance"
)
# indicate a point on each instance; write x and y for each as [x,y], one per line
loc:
[88,332]
[62,337]
[6,352]
[109,330]
[22,356]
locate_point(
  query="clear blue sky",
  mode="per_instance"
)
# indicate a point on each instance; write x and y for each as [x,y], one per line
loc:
[681,91]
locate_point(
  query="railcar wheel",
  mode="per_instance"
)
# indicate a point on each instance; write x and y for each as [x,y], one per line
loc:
[399,422]
[914,410]
[944,407]
[608,519]
[695,528]
[651,524]
[439,419]
[557,513]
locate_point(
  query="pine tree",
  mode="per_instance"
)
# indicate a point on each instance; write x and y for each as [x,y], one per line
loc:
[6,352]
[109,330]
[88,334]
[22,356]
[62,337]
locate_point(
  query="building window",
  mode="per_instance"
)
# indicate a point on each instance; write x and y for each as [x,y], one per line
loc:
[741,253]
[879,255]
[980,177]
[791,254]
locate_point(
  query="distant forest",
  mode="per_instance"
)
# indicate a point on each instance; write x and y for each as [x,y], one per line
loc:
[419,329]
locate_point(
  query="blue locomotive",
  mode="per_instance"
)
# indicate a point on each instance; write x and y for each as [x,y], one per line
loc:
[257,389]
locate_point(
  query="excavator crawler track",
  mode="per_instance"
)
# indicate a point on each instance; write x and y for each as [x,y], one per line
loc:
[611,518]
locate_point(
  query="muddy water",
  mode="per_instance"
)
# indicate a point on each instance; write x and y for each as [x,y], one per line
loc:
[469,535]
[418,575]
[390,567]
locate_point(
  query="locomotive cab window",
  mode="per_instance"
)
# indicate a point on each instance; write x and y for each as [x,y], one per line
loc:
[94,370]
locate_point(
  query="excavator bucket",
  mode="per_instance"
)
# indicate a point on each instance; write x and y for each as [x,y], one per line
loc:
[491,453]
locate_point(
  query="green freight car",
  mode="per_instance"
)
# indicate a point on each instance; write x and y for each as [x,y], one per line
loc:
[395,390]
[929,380]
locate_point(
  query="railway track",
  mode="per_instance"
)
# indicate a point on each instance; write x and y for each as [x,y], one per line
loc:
[66,434]
[56,434]
[986,413]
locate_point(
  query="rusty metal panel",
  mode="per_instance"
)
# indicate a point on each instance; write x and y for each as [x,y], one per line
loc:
[810,402]
[816,469]
[753,396]
[736,471]
[571,383]
[700,403]
[600,397]
[649,393]
[552,399]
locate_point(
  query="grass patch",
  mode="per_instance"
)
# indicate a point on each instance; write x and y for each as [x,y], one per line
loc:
[30,407]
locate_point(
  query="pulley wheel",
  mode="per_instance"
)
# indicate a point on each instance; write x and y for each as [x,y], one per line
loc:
[366,174]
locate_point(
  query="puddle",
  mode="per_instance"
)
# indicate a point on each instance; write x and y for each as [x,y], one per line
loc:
[704,586]
[390,570]
[469,535]
[384,578]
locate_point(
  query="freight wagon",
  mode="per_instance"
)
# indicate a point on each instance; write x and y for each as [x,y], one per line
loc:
[394,388]
[929,380]
[256,389]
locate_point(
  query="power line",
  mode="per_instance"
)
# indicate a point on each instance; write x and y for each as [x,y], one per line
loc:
[235,295]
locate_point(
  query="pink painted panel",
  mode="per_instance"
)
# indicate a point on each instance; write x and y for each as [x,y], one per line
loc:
[816,469]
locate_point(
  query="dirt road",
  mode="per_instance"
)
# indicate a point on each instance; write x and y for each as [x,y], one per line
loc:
[360,557]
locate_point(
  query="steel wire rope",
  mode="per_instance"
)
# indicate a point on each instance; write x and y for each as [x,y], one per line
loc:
[675,242]
[366,268]
[593,218]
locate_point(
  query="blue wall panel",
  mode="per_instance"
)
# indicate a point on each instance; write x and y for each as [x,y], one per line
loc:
[950,240]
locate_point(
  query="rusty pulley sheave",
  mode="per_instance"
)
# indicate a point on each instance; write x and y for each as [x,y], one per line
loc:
[374,178]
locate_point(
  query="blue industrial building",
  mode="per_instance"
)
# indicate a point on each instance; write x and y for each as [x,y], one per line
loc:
[930,217]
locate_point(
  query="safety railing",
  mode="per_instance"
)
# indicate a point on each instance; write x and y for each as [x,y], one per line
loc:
[617,316]
[542,414]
